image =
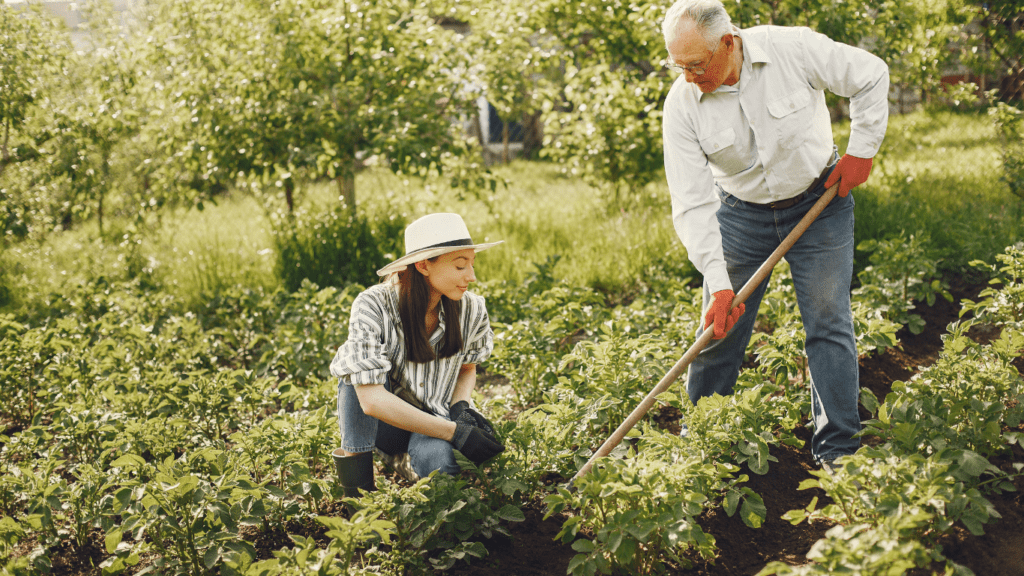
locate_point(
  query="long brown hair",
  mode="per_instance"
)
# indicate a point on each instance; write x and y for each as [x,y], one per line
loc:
[413,298]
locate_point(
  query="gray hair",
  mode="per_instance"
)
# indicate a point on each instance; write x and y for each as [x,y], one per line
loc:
[709,16]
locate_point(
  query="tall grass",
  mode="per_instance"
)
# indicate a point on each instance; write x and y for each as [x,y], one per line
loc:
[939,174]
[540,214]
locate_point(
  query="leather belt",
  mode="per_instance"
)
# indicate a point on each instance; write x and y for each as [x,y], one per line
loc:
[788,202]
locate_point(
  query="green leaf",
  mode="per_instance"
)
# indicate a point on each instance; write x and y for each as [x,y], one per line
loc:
[974,525]
[583,545]
[795,517]
[732,500]
[112,540]
[211,556]
[973,463]
[753,511]
[511,513]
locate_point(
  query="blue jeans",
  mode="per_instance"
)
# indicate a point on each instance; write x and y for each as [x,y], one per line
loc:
[361,433]
[822,266]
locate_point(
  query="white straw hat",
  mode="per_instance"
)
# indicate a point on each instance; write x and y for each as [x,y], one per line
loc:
[431,236]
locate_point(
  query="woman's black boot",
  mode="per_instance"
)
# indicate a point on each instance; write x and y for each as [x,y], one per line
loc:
[354,472]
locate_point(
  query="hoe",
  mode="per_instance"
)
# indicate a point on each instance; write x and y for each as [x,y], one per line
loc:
[705,337]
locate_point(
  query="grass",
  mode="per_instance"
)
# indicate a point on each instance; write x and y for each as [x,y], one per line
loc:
[539,215]
[937,175]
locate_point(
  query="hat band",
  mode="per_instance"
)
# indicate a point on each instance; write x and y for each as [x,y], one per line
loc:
[461,242]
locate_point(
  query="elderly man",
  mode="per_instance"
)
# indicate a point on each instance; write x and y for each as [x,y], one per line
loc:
[748,151]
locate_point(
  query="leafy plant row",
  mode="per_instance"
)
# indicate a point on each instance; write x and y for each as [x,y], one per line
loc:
[928,460]
[175,440]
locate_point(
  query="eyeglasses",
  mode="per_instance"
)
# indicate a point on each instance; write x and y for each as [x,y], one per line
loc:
[695,70]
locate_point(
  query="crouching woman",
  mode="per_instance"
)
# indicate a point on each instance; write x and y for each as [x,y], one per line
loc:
[407,370]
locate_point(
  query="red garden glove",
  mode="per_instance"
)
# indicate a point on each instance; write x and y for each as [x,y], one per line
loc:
[850,172]
[719,314]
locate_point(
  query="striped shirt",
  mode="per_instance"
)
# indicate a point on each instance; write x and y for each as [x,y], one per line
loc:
[375,350]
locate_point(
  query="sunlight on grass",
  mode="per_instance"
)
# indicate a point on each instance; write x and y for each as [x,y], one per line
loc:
[937,175]
[541,214]
[198,254]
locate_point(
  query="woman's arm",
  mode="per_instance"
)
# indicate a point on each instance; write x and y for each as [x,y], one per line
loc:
[378,402]
[465,383]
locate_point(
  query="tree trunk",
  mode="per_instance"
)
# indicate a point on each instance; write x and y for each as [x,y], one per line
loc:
[99,212]
[103,187]
[289,194]
[504,141]
[347,190]
[5,155]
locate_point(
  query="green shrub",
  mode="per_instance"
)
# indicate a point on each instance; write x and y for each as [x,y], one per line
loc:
[1010,123]
[333,247]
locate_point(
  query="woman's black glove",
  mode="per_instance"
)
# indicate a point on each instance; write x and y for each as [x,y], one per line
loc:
[462,407]
[474,443]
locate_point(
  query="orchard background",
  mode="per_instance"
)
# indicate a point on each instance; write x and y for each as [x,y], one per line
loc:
[191,194]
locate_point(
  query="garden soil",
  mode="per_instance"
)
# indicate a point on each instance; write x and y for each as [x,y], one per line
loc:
[533,551]
[745,551]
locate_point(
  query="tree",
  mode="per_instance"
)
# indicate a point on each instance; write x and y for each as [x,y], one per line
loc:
[513,60]
[604,120]
[97,117]
[269,92]
[989,39]
[33,51]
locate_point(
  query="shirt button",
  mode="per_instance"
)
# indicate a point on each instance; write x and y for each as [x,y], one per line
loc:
[791,105]
[421,384]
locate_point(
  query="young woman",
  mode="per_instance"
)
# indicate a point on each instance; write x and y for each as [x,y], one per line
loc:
[406,372]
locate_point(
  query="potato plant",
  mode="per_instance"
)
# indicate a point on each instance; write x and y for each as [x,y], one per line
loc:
[166,431]
[931,468]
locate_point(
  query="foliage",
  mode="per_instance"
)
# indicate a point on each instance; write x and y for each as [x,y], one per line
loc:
[862,549]
[616,370]
[333,247]
[960,402]
[901,273]
[434,522]
[876,486]
[605,117]
[1010,125]
[989,40]
[342,83]
[190,509]
[636,516]
[33,51]
[544,322]
[1003,305]
[740,425]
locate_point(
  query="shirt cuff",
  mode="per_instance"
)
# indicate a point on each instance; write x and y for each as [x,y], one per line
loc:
[718,279]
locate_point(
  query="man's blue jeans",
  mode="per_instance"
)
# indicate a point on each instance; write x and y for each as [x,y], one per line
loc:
[822,266]
[361,433]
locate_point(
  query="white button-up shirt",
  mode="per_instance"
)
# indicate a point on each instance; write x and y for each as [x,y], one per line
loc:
[769,136]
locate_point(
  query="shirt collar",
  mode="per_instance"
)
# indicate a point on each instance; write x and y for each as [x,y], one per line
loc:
[435,338]
[753,53]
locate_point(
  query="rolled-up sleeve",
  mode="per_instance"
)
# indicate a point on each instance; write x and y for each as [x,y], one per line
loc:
[478,338]
[364,358]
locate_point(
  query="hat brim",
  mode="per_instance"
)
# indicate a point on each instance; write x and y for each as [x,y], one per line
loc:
[428,253]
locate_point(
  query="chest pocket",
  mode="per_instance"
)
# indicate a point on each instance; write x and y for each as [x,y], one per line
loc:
[723,155]
[789,120]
